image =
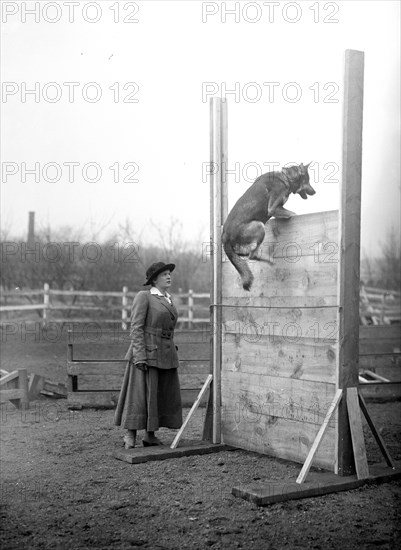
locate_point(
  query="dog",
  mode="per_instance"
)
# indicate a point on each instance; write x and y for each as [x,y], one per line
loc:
[244,231]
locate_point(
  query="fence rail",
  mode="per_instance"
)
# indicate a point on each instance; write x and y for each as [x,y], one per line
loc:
[377,306]
[191,312]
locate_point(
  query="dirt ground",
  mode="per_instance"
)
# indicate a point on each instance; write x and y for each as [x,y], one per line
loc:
[62,488]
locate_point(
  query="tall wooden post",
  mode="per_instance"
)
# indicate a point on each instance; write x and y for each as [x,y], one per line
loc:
[349,244]
[218,213]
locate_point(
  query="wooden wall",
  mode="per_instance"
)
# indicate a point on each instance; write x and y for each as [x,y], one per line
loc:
[279,348]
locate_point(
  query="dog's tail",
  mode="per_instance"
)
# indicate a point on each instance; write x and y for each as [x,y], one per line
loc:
[240,264]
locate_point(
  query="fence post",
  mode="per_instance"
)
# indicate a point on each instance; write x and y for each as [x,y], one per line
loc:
[124,315]
[382,308]
[190,308]
[46,302]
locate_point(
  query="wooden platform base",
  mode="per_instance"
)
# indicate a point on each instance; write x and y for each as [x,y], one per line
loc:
[147,454]
[317,484]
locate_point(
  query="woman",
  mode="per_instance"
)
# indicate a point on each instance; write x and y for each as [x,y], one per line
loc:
[150,395]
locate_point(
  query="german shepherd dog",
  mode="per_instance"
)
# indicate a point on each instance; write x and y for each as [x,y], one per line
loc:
[244,230]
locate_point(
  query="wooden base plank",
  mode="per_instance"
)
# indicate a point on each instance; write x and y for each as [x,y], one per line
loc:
[358,441]
[318,484]
[148,454]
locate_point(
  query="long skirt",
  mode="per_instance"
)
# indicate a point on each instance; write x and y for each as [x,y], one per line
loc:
[149,399]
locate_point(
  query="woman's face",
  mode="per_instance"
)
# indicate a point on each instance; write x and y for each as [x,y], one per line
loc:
[163,280]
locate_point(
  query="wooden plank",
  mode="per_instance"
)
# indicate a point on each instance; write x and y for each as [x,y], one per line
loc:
[318,440]
[313,234]
[21,307]
[289,323]
[388,366]
[277,437]
[384,332]
[139,455]
[349,241]
[358,442]
[305,278]
[192,411]
[307,359]
[95,399]
[98,368]
[379,347]
[375,432]
[318,484]
[7,395]
[295,400]
[8,377]
[207,433]
[217,156]
[381,392]
[108,399]
[273,302]
[36,384]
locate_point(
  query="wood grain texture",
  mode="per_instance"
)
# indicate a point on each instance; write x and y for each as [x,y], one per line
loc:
[252,395]
[307,276]
[358,442]
[278,437]
[290,323]
[349,244]
[305,360]
[319,483]
[319,437]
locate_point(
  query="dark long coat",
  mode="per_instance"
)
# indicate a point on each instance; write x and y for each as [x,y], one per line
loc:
[153,320]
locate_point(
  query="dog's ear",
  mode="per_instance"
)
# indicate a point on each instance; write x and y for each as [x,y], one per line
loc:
[307,166]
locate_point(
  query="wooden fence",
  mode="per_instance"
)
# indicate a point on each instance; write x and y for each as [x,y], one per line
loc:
[62,306]
[377,306]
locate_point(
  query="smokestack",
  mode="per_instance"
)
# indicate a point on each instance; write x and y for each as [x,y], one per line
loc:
[31,230]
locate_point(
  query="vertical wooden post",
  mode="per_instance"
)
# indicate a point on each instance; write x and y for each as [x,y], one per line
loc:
[349,241]
[382,309]
[46,302]
[124,305]
[190,308]
[218,211]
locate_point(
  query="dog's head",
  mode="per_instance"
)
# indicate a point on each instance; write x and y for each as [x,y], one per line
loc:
[298,178]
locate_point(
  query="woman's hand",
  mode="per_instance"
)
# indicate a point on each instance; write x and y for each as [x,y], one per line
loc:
[142,366]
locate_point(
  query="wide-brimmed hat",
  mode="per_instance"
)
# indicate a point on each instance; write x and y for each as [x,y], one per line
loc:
[156,268]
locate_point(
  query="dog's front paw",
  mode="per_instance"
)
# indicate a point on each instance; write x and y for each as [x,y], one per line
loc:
[281,212]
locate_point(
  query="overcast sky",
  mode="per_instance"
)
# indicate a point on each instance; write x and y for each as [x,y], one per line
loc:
[131,96]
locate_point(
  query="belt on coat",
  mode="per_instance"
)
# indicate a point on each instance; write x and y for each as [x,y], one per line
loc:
[164,333]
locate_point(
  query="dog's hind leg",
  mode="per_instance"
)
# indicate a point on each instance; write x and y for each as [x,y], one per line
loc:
[255,234]
[252,235]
